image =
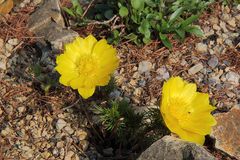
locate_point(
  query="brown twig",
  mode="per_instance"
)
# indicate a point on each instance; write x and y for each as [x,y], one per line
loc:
[85,12]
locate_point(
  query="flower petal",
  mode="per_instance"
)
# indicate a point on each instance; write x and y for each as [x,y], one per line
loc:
[174,127]
[103,81]
[201,103]
[86,92]
[193,137]
[88,44]
[77,82]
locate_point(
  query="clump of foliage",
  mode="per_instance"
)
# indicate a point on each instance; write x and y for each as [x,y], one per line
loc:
[43,73]
[146,20]
[123,129]
[45,80]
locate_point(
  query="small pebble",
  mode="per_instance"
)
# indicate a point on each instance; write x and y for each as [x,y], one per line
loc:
[69,155]
[60,124]
[144,66]
[9,47]
[201,48]
[82,135]
[213,62]
[69,130]
[84,144]
[13,42]
[233,77]
[195,69]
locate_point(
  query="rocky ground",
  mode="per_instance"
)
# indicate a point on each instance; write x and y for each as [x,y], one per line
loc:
[36,125]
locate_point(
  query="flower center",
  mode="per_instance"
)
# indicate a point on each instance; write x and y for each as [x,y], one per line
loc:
[86,66]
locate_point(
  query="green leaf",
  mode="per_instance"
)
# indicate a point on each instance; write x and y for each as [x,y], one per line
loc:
[131,36]
[188,21]
[151,3]
[115,33]
[36,70]
[165,40]
[79,11]
[77,7]
[137,4]
[69,11]
[175,15]
[150,16]
[75,3]
[164,26]
[146,40]
[123,11]
[196,30]
[108,14]
[180,33]
[144,28]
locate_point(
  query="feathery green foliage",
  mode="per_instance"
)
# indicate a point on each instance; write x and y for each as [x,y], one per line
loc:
[124,128]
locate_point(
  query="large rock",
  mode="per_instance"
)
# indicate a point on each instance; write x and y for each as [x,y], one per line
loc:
[47,23]
[171,148]
[227,132]
[49,11]
[57,35]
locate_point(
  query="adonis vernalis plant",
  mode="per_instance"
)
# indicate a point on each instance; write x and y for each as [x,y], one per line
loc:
[185,111]
[87,63]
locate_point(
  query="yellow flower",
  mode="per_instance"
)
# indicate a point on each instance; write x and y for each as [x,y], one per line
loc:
[87,63]
[185,111]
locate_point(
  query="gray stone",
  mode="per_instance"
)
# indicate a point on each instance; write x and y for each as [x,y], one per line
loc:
[144,67]
[69,130]
[171,148]
[69,155]
[162,73]
[7,131]
[142,83]
[13,41]
[201,48]
[213,20]
[223,26]
[228,42]
[227,132]
[195,69]
[108,151]
[8,47]
[233,78]
[82,135]
[226,17]
[84,144]
[49,11]
[37,2]
[115,94]
[3,62]
[60,124]
[232,22]
[213,62]
[1,44]
[216,27]
[57,35]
